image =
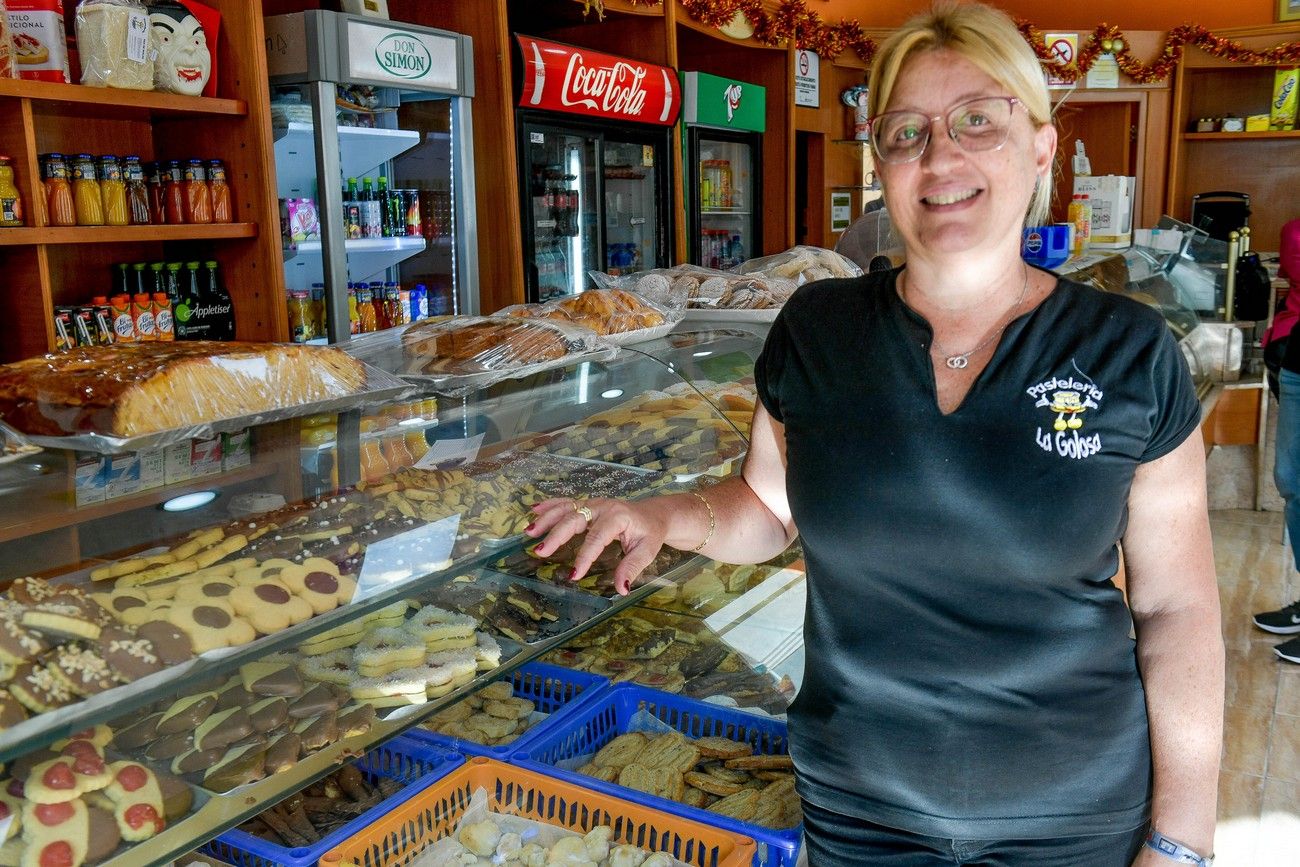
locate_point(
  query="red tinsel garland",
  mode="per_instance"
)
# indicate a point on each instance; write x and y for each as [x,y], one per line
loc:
[794,20]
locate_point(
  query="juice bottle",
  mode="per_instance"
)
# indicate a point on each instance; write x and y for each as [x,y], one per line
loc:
[380,303]
[157,195]
[174,192]
[62,210]
[85,192]
[142,313]
[354,316]
[11,203]
[123,322]
[373,464]
[318,314]
[112,191]
[222,210]
[300,318]
[1080,215]
[162,317]
[137,194]
[223,308]
[198,197]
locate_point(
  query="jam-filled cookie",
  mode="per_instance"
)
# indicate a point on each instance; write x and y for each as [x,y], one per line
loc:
[318,581]
[56,833]
[387,650]
[53,782]
[11,811]
[269,605]
[138,801]
[88,765]
[211,626]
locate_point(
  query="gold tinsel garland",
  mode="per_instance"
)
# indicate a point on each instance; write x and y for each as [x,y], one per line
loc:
[792,19]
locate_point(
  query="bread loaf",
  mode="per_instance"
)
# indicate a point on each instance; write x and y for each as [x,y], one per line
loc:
[139,388]
[482,345]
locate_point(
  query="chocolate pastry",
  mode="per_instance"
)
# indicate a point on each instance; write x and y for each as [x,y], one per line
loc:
[64,617]
[38,689]
[318,732]
[102,836]
[268,714]
[233,694]
[19,644]
[223,728]
[314,702]
[128,655]
[283,751]
[169,746]
[177,796]
[271,678]
[83,670]
[509,621]
[239,766]
[534,604]
[32,591]
[170,644]
[136,734]
[11,710]
[356,719]
[196,761]
[186,713]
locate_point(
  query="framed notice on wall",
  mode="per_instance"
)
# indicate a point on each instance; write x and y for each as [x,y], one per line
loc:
[1288,10]
[841,211]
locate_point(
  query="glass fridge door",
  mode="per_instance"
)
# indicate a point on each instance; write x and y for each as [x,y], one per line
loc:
[562,219]
[426,179]
[727,195]
[631,207]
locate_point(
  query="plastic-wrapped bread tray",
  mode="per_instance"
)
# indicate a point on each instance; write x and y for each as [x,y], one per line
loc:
[611,715]
[15,446]
[411,828]
[284,382]
[556,692]
[620,317]
[458,355]
[415,764]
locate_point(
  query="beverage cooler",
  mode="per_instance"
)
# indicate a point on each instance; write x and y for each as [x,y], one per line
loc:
[374,172]
[595,140]
[723,122]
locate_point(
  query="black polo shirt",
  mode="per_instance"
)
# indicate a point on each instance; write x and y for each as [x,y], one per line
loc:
[969,668]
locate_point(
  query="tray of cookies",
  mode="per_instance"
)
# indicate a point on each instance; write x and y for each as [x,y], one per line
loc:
[299,830]
[693,759]
[604,829]
[76,802]
[518,609]
[507,715]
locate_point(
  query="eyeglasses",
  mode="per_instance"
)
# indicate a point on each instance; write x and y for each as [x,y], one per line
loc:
[981,124]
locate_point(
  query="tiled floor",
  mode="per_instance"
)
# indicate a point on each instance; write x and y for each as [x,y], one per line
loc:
[1259,784]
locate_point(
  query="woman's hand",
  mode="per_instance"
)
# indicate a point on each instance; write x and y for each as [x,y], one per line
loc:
[636,526]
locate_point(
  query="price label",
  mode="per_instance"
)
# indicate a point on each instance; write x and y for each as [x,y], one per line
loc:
[450,453]
[137,37]
[537,138]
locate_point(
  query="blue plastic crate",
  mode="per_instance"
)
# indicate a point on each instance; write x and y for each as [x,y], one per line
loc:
[418,765]
[610,715]
[557,691]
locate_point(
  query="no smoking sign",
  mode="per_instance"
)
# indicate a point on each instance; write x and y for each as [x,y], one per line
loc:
[1063,49]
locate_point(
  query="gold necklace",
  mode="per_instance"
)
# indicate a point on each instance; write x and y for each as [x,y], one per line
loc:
[962,359]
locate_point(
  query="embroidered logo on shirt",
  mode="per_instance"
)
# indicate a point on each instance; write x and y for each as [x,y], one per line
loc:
[1068,398]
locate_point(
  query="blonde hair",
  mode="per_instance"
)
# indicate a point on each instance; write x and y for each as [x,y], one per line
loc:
[989,40]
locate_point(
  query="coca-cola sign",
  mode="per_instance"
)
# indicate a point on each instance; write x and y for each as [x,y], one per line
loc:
[579,81]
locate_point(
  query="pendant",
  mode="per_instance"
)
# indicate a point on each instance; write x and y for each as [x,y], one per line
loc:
[958,362]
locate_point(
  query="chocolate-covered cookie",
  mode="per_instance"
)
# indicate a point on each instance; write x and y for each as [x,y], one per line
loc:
[233,694]
[271,678]
[130,656]
[196,762]
[318,732]
[135,735]
[319,699]
[18,644]
[171,644]
[39,689]
[81,669]
[102,837]
[166,747]
[356,719]
[223,728]
[185,714]
[11,710]
[269,713]
[239,766]
[177,796]
[282,752]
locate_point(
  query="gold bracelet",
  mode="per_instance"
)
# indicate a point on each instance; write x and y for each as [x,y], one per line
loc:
[713,522]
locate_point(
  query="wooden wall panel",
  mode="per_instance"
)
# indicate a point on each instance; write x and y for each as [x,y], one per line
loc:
[827,128]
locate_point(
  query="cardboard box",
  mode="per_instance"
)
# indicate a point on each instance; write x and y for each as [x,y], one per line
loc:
[205,457]
[237,449]
[89,479]
[153,469]
[122,476]
[176,463]
[1111,198]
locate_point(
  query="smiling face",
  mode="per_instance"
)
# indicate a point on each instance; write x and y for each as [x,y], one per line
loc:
[950,200]
[184,61]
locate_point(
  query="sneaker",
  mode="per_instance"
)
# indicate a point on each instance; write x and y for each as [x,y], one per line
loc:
[1285,621]
[1289,650]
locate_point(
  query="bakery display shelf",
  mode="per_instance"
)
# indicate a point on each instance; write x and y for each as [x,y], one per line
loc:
[82,100]
[361,151]
[218,814]
[1237,136]
[366,257]
[40,518]
[414,425]
[125,234]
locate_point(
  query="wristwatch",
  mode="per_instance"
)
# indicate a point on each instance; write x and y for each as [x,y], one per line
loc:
[1176,851]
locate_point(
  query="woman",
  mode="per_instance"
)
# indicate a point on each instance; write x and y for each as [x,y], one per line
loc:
[962,444]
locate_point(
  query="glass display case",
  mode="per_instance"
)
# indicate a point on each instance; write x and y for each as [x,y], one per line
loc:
[182,663]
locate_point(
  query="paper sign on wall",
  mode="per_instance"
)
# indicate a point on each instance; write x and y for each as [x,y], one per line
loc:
[1064,49]
[1104,73]
[807,79]
[841,211]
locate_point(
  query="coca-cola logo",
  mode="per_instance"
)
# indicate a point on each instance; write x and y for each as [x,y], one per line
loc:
[617,88]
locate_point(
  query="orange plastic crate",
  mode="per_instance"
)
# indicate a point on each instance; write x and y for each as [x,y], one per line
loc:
[403,834]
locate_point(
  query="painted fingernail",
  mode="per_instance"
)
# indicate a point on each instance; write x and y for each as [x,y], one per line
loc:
[573,574]
[529,528]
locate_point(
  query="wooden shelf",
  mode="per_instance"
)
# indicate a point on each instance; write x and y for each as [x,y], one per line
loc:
[118,234]
[1237,136]
[65,515]
[112,98]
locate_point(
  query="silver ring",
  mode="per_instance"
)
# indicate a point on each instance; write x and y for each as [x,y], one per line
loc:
[586,513]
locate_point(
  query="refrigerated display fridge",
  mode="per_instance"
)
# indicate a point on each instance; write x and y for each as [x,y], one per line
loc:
[595,143]
[723,122]
[374,170]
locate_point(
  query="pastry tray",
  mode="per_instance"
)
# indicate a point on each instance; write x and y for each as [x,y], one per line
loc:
[381,387]
[618,480]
